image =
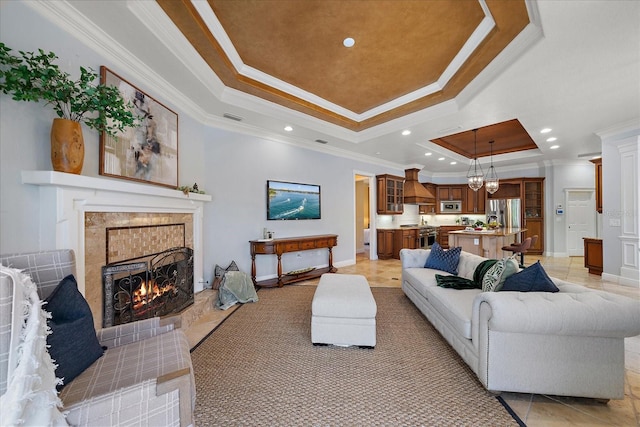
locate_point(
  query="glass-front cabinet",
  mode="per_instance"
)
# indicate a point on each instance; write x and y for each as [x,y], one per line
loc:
[390,192]
[533,191]
[533,201]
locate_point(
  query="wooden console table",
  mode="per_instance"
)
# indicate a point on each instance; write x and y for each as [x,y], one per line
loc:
[291,244]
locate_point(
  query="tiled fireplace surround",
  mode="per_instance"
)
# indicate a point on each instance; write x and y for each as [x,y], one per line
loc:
[75,211]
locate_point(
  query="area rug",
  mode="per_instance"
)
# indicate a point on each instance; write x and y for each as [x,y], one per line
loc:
[259,368]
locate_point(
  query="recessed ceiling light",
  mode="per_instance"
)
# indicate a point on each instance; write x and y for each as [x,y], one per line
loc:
[377,153]
[553,147]
[441,158]
[348,42]
[288,128]
[553,138]
[453,163]
[596,157]
[406,132]
[428,154]
[545,130]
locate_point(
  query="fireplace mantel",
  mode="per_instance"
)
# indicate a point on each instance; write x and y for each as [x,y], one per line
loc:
[64,199]
[60,179]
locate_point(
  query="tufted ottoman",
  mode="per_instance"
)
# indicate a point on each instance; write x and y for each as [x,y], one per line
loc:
[343,311]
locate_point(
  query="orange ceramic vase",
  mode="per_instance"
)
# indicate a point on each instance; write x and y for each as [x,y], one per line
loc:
[67,146]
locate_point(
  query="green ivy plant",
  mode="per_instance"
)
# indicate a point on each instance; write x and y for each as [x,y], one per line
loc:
[33,76]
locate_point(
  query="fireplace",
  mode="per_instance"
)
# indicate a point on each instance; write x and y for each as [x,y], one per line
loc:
[76,210]
[149,286]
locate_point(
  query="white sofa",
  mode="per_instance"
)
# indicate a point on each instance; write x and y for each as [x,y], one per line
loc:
[567,343]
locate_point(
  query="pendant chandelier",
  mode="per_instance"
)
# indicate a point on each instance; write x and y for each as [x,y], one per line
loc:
[475,176]
[491,180]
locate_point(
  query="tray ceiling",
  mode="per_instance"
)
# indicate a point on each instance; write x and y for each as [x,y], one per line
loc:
[407,55]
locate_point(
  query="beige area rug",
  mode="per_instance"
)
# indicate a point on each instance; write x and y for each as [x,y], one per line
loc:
[259,368]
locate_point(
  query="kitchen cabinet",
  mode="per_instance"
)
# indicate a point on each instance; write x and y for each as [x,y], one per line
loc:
[598,165]
[593,255]
[443,234]
[535,227]
[390,241]
[474,202]
[385,243]
[509,189]
[404,239]
[533,208]
[428,209]
[390,192]
[450,192]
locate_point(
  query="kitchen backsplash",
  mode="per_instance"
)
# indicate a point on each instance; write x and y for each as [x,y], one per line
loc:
[411,216]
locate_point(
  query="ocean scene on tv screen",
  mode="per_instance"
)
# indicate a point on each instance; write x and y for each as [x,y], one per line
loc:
[287,200]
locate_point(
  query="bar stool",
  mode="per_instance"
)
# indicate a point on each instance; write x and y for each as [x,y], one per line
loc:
[520,248]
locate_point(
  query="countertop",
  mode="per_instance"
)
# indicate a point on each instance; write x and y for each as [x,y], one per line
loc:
[417,227]
[498,232]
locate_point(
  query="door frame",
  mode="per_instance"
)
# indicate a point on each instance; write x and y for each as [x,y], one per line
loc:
[373,241]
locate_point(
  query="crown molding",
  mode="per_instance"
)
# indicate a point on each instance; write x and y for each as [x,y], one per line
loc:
[153,17]
[527,38]
[64,15]
[620,130]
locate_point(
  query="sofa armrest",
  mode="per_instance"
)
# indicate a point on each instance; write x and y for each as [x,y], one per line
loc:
[593,313]
[413,258]
[116,336]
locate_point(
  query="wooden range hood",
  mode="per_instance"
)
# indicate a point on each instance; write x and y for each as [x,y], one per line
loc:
[414,192]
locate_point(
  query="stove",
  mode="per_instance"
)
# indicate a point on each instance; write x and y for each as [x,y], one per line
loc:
[428,235]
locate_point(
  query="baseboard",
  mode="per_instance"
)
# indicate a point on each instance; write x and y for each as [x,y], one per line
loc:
[623,281]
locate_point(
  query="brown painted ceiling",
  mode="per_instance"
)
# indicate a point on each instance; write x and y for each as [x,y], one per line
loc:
[400,47]
[508,137]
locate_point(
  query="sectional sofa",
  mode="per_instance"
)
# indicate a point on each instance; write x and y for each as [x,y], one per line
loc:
[567,343]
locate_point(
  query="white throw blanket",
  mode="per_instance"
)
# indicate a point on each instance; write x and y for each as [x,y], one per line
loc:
[31,398]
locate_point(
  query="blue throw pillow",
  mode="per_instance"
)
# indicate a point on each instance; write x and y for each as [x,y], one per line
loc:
[531,279]
[439,259]
[73,342]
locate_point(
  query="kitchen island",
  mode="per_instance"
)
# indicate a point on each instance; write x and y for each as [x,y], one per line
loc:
[486,243]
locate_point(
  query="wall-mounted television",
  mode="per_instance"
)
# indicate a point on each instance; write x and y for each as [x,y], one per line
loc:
[292,201]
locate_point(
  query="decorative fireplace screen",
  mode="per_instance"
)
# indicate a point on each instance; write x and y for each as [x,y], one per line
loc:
[154,285]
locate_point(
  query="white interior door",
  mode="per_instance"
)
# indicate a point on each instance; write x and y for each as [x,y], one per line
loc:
[581,219]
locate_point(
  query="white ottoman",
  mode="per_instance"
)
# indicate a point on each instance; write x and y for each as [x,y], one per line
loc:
[343,311]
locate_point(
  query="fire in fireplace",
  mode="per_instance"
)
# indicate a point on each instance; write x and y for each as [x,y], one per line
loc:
[144,287]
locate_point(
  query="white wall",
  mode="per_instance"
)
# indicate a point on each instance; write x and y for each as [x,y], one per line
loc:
[238,167]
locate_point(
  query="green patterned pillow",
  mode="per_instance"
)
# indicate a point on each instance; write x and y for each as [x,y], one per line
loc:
[494,277]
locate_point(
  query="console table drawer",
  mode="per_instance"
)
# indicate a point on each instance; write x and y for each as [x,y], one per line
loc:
[291,247]
[309,245]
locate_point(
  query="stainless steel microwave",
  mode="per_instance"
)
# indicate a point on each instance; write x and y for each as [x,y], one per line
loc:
[451,207]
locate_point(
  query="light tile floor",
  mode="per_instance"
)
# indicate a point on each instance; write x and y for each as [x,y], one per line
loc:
[535,410]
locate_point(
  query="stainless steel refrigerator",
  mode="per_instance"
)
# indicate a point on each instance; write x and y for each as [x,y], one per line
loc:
[506,211]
